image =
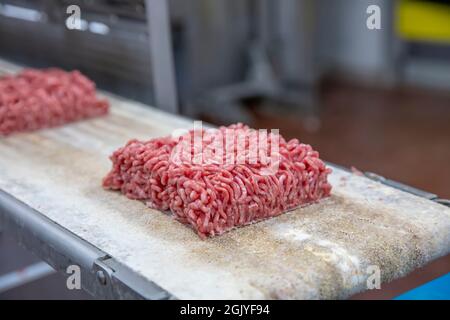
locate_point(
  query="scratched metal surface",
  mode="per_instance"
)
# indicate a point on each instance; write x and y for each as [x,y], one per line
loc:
[321,251]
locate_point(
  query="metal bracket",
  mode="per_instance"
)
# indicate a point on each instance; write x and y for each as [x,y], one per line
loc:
[400,186]
[406,188]
[444,202]
[115,280]
[397,185]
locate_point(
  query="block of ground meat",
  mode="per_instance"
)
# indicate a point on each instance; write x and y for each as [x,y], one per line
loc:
[36,99]
[216,180]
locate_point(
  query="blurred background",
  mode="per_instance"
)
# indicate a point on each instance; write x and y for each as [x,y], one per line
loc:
[366,82]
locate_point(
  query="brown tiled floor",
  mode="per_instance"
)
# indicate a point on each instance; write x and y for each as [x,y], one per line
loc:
[403,134]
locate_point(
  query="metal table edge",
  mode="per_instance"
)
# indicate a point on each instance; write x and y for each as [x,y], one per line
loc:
[101,275]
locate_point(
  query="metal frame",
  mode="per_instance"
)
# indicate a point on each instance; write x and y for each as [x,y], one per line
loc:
[161,55]
[269,74]
[406,188]
[398,185]
[101,275]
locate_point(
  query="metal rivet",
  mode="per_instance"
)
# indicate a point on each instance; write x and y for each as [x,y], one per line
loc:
[101,277]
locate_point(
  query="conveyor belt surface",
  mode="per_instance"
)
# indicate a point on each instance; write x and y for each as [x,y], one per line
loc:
[321,251]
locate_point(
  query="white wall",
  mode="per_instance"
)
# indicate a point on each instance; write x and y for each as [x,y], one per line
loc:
[347,45]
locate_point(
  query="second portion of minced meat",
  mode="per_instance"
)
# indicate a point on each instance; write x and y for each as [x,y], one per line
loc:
[36,99]
[214,194]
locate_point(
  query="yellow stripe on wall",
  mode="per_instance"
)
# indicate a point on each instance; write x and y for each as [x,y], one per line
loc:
[416,20]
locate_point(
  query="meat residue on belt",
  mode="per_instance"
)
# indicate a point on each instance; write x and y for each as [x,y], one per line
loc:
[36,99]
[218,185]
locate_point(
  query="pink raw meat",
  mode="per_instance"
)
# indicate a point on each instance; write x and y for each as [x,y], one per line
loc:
[35,99]
[211,195]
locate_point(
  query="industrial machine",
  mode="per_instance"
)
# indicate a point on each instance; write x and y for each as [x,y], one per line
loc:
[212,41]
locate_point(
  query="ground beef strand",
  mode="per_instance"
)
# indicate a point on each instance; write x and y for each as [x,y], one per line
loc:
[213,196]
[36,99]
